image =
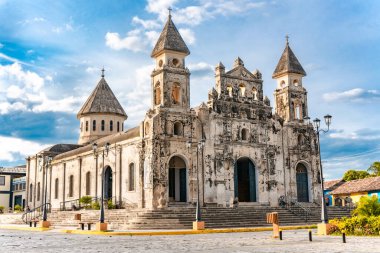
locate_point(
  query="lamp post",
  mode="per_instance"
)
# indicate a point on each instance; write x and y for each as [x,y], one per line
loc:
[46,163]
[198,224]
[101,225]
[317,130]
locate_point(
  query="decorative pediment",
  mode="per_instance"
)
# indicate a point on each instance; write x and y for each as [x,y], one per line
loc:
[240,72]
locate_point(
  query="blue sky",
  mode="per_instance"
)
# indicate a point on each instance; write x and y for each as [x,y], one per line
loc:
[51,53]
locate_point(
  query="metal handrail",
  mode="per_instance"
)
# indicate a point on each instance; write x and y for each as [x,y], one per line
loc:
[35,213]
[295,207]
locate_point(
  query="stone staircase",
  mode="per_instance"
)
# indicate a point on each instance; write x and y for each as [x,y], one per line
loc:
[181,217]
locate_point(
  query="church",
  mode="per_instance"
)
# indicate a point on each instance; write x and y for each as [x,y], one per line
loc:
[232,148]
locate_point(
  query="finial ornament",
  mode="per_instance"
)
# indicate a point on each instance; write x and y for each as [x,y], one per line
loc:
[170,12]
[287,39]
[103,71]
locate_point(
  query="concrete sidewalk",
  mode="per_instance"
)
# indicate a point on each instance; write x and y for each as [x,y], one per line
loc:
[75,230]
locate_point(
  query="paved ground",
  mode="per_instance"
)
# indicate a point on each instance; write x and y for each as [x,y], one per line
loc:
[294,242]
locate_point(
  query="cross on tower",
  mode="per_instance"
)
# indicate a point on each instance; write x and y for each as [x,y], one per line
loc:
[170,11]
[103,71]
[287,38]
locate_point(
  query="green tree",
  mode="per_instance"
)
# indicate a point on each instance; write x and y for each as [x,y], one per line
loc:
[355,174]
[368,206]
[374,169]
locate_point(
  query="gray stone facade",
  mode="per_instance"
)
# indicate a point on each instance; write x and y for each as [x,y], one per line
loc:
[250,153]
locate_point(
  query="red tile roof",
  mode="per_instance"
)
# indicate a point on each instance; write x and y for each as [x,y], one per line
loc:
[332,184]
[359,185]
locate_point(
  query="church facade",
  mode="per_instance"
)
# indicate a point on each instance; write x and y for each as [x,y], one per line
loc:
[232,148]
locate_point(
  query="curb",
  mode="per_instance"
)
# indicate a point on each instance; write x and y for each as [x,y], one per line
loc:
[36,229]
[183,232]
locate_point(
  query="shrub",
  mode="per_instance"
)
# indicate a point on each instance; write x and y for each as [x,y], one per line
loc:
[1,209]
[95,205]
[110,204]
[358,225]
[86,200]
[18,208]
[367,206]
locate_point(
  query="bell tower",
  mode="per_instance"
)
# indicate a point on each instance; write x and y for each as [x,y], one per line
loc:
[290,95]
[170,78]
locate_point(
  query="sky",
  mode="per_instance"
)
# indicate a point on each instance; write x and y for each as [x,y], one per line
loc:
[51,54]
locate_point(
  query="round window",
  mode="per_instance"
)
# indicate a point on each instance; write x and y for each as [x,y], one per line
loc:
[175,62]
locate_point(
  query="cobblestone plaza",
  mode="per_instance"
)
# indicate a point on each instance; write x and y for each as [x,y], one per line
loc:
[293,241]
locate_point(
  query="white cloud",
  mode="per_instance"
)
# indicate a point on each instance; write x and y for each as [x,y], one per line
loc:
[187,35]
[133,41]
[192,15]
[31,21]
[356,95]
[23,90]
[147,24]
[17,146]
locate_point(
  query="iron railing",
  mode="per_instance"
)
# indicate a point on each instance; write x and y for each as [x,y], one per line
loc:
[36,213]
[295,207]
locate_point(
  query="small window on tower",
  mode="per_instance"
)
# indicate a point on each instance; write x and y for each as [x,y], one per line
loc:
[297,111]
[178,129]
[118,126]
[283,84]
[244,134]
[103,125]
[254,93]
[229,90]
[160,63]
[157,94]
[86,126]
[295,82]
[176,93]
[242,90]
[111,125]
[94,125]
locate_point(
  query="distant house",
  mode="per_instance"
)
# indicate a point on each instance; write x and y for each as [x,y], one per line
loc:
[352,191]
[330,186]
[10,178]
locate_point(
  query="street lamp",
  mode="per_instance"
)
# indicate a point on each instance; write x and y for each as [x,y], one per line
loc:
[200,147]
[104,151]
[317,130]
[45,166]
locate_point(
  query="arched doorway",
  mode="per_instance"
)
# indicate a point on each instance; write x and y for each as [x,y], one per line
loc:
[245,180]
[302,183]
[177,180]
[108,183]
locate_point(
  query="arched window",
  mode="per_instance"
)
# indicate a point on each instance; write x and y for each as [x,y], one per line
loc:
[229,90]
[297,111]
[157,94]
[56,188]
[38,191]
[301,140]
[147,128]
[295,82]
[88,183]
[81,126]
[241,90]
[71,186]
[244,134]
[111,125]
[122,127]
[118,126]
[131,177]
[86,126]
[30,192]
[178,129]
[103,125]
[176,93]
[254,93]
[282,84]
[94,125]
